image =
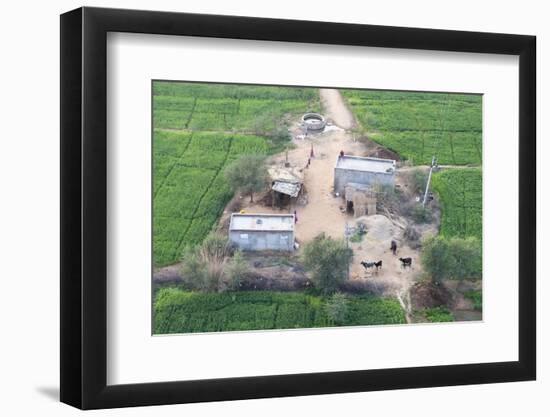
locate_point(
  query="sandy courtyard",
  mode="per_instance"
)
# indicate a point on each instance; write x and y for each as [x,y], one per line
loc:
[319,210]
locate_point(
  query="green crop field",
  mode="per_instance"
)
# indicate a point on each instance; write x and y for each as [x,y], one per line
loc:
[419,125]
[227,107]
[178,311]
[460,193]
[198,130]
[190,190]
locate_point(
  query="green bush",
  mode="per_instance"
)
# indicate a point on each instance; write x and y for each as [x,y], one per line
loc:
[438,315]
[327,260]
[337,308]
[212,266]
[476,298]
[453,258]
[421,214]
[419,178]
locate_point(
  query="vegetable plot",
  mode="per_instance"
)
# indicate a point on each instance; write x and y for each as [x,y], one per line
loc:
[419,125]
[177,311]
[190,189]
[224,107]
[460,192]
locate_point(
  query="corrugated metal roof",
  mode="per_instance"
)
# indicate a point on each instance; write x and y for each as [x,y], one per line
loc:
[262,222]
[291,189]
[292,175]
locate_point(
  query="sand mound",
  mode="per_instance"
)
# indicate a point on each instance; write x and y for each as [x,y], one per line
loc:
[380,228]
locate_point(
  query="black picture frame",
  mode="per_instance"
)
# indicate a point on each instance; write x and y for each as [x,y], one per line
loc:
[84,207]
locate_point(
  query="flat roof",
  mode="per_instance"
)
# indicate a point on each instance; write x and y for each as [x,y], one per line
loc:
[369,164]
[262,222]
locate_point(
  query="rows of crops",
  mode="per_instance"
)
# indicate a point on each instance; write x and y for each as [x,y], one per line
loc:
[226,107]
[198,130]
[177,311]
[420,125]
[460,193]
[190,190]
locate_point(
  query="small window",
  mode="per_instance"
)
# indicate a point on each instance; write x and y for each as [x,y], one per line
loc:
[259,221]
[244,236]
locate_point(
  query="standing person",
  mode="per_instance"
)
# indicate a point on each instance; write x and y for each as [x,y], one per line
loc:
[393,247]
[311,154]
[295,217]
[341,154]
[308,162]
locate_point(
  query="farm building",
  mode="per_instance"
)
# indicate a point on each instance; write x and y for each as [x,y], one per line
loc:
[362,170]
[286,185]
[255,232]
[360,199]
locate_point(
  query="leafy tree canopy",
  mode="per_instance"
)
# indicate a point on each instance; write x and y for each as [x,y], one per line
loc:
[327,259]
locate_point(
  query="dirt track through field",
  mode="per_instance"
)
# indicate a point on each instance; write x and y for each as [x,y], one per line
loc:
[335,108]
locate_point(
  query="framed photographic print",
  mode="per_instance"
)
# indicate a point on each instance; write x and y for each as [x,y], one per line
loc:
[257,208]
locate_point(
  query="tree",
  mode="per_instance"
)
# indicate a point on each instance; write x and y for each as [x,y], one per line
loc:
[453,258]
[280,135]
[213,266]
[337,308]
[265,123]
[247,174]
[237,268]
[327,260]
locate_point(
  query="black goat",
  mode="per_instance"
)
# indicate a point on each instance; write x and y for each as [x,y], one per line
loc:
[406,262]
[368,265]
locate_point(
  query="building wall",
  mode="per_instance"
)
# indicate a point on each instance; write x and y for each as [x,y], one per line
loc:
[257,240]
[344,176]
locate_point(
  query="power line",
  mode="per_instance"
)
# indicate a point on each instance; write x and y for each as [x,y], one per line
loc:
[434,157]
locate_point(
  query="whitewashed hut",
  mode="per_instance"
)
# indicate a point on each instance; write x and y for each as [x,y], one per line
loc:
[362,170]
[256,232]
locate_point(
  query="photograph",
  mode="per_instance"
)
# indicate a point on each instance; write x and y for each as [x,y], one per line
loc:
[298,207]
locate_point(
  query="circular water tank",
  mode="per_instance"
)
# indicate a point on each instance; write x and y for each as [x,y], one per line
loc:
[314,121]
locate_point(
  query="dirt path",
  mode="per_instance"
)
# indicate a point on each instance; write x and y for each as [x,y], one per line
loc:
[321,211]
[335,109]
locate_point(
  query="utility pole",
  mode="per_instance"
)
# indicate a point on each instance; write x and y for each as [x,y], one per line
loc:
[428,182]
